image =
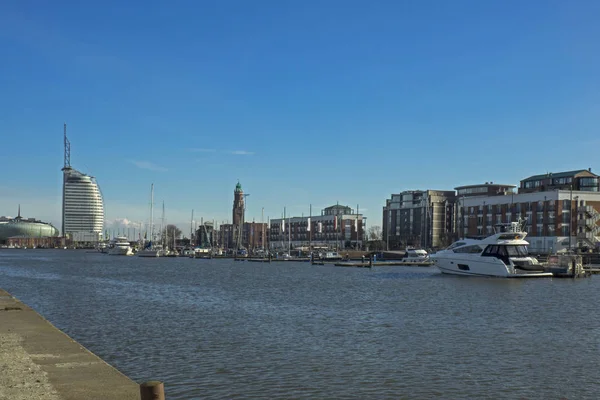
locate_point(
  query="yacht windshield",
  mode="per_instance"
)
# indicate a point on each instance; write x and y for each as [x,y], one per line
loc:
[517,251]
[503,251]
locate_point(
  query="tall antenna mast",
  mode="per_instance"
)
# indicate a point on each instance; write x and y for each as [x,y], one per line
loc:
[67,149]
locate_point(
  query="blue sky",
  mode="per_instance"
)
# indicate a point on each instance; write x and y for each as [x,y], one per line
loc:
[302,101]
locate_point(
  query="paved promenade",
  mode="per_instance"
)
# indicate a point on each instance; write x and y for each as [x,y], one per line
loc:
[38,361]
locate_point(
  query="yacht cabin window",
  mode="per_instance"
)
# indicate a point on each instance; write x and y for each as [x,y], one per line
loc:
[455,245]
[505,250]
[474,249]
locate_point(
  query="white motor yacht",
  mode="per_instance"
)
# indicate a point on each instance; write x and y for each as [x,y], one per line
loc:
[502,254]
[121,247]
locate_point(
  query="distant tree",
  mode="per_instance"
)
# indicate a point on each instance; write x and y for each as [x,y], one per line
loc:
[170,232]
[375,233]
[375,238]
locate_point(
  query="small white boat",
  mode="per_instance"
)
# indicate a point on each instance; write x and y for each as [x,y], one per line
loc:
[120,247]
[103,247]
[502,254]
[331,255]
[200,252]
[416,256]
[149,252]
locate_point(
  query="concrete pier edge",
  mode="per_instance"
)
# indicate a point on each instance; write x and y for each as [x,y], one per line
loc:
[41,361]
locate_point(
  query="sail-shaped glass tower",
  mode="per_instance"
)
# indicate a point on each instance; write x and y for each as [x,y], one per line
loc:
[83,207]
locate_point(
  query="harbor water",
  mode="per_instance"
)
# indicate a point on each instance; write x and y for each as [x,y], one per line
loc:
[219,329]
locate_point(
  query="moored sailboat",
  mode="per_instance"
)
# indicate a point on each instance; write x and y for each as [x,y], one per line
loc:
[149,249]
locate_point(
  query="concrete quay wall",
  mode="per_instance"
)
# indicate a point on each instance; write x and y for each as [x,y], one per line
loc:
[39,361]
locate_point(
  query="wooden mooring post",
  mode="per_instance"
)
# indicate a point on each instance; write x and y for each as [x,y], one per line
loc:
[152,390]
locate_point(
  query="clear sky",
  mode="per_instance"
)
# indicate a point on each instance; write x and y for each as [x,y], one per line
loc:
[304,101]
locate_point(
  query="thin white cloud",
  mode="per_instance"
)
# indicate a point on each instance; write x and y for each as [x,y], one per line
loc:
[201,150]
[242,152]
[148,165]
[122,223]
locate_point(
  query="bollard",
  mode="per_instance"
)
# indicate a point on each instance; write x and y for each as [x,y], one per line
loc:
[152,390]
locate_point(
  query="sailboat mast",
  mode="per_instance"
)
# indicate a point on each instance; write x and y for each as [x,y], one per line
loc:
[162,227]
[310,229]
[152,212]
[192,228]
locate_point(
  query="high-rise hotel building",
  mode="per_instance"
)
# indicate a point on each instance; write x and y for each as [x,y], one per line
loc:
[83,207]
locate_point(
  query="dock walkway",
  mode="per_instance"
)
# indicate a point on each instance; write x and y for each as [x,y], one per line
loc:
[38,361]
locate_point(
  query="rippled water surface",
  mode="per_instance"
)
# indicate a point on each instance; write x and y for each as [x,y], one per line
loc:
[215,329]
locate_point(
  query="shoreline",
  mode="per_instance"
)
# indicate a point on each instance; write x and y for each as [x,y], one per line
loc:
[39,361]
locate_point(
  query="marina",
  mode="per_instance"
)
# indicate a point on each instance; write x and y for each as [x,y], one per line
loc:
[216,328]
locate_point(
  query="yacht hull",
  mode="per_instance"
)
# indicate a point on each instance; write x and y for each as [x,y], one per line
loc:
[120,251]
[484,269]
[148,253]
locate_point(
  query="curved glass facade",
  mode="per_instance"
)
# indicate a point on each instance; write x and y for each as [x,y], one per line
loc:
[26,228]
[83,207]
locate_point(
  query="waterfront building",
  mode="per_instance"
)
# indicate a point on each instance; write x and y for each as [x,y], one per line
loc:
[582,180]
[238,205]
[419,218]
[338,227]
[254,235]
[83,207]
[242,234]
[28,230]
[561,211]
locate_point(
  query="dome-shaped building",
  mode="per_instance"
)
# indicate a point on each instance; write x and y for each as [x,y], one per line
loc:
[30,227]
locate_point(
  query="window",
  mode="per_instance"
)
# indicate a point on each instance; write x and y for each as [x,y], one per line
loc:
[532,184]
[480,189]
[517,251]
[566,204]
[474,249]
[505,250]
[456,244]
[590,181]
